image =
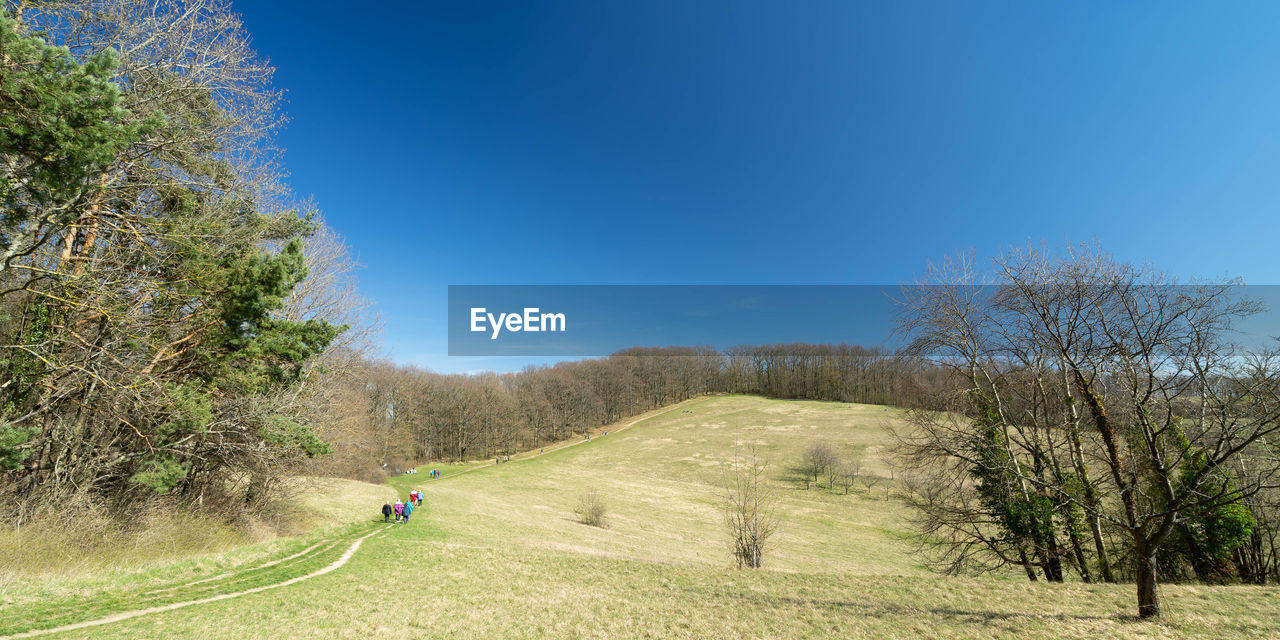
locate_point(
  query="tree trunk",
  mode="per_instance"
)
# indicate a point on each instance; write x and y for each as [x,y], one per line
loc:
[1053,561]
[1081,562]
[1104,563]
[1026,565]
[1204,566]
[1148,591]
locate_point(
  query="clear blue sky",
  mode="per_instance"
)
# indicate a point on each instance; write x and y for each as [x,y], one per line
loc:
[770,143]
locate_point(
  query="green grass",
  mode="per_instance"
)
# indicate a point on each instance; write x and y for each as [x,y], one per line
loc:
[499,554]
[56,577]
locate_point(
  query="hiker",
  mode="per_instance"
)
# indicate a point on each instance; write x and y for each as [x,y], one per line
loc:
[413,496]
[386,512]
[399,508]
[419,497]
[408,509]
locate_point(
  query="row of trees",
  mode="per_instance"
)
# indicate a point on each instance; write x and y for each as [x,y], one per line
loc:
[821,460]
[1102,419]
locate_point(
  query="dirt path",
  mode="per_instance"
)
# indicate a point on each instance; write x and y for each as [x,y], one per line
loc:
[222,576]
[125,615]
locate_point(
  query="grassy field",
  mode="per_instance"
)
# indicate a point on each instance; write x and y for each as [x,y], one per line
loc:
[69,575]
[496,552]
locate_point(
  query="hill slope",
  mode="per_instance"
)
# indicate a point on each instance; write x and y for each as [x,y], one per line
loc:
[499,554]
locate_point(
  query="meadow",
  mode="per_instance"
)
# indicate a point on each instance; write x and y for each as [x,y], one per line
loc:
[497,551]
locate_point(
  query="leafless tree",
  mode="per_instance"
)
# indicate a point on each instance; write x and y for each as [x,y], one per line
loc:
[818,458]
[850,469]
[748,503]
[1093,390]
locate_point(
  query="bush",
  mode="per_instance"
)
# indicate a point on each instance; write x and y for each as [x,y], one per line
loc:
[591,508]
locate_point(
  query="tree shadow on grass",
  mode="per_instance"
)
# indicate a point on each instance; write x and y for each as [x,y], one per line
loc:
[878,610]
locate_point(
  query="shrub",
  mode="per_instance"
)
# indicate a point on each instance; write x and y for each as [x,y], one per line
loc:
[591,508]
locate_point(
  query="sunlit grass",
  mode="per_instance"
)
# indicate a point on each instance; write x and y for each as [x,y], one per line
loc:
[498,552]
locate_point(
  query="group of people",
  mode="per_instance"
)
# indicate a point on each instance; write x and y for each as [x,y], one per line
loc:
[402,510]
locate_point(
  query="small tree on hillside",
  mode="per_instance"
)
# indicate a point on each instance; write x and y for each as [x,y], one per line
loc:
[849,471]
[748,508]
[869,481]
[818,458]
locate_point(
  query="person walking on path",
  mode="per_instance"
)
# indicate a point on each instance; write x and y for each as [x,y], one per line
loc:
[399,510]
[408,510]
[419,497]
[386,512]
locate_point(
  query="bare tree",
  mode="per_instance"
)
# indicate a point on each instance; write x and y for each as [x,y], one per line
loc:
[850,469]
[748,507]
[818,458]
[1084,378]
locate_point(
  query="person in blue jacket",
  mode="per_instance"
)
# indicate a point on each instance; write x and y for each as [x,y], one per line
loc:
[408,509]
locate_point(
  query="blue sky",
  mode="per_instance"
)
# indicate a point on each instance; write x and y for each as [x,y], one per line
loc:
[770,143]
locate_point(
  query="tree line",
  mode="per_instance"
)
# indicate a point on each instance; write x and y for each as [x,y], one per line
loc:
[1103,420]
[400,415]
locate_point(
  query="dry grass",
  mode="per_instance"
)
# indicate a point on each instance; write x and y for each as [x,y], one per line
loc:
[89,551]
[498,553]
